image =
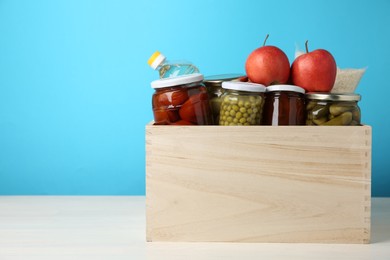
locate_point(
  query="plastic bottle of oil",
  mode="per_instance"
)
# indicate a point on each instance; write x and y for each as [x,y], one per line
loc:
[169,69]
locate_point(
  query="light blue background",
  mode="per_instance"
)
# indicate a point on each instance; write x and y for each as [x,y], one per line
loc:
[75,87]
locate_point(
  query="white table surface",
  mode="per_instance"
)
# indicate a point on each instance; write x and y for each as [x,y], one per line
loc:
[112,227]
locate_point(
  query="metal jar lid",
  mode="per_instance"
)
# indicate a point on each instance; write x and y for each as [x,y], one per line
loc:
[333,96]
[216,80]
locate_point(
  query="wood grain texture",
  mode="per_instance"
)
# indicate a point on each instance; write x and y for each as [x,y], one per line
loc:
[258,184]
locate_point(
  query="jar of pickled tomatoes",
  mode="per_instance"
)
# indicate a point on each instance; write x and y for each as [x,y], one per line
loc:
[181,100]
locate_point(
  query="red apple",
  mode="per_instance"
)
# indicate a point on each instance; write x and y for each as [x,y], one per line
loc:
[267,65]
[314,71]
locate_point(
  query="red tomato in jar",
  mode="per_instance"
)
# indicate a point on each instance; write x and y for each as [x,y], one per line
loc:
[182,122]
[179,97]
[199,97]
[171,98]
[196,109]
[165,116]
[187,112]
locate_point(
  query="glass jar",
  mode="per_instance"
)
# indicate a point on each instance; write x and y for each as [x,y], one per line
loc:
[182,100]
[242,103]
[332,109]
[284,105]
[214,89]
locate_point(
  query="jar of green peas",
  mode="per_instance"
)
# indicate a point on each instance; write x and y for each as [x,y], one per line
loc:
[241,104]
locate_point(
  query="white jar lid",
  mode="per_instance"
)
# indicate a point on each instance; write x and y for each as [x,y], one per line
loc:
[243,86]
[285,88]
[179,80]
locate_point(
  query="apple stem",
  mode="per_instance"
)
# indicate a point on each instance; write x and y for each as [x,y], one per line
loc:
[266,37]
[307,48]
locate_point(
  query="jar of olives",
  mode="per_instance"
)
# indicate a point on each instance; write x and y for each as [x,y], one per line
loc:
[284,105]
[214,89]
[241,103]
[332,109]
[181,100]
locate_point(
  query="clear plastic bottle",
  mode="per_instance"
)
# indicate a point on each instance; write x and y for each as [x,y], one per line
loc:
[169,69]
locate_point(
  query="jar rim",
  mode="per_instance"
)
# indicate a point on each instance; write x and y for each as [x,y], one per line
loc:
[176,81]
[285,87]
[243,86]
[333,96]
[216,80]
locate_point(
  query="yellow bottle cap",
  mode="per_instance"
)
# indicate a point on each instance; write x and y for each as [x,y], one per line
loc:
[156,59]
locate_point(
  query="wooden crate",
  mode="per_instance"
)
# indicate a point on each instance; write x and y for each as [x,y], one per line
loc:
[258,183]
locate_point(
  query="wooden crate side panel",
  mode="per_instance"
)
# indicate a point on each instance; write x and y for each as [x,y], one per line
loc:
[258,184]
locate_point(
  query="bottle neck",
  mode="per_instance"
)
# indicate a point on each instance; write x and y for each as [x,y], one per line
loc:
[158,62]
